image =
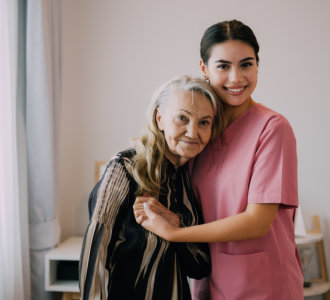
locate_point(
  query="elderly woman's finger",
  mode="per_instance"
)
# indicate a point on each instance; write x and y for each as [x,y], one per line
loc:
[137,206]
[141,219]
[156,207]
[141,199]
[138,211]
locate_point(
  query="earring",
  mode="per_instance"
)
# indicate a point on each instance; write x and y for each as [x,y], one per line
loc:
[206,78]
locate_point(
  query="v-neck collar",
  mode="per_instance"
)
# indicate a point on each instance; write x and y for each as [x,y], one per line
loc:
[231,128]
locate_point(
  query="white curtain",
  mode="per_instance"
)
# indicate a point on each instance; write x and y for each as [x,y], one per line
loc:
[14,259]
[42,127]
[29,114]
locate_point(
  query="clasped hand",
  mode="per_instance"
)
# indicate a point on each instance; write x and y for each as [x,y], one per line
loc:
[154,216]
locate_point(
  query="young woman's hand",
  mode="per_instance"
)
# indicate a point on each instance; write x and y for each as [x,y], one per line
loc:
[156,207]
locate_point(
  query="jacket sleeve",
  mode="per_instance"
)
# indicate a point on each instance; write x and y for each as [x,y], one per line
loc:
[92,199]
[111,195]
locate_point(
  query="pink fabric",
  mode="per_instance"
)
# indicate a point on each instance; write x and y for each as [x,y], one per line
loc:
[253,162]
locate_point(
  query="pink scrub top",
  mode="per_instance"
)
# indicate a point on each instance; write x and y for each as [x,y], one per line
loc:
[254,161]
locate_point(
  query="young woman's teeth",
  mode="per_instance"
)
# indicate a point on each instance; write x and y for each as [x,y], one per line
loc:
[235,90]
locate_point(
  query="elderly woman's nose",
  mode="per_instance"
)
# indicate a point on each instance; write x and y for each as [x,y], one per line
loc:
[192,130]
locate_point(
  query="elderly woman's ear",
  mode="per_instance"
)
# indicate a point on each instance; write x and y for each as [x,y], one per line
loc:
[159,120]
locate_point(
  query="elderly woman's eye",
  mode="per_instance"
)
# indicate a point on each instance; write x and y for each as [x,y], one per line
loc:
[205,122]
[182,118]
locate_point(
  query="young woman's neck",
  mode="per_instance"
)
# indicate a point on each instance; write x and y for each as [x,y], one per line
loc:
[231,113]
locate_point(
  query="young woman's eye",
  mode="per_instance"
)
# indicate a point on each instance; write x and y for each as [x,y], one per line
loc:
[223,67]
[246,65]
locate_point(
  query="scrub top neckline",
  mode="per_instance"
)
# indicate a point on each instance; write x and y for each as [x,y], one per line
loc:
[227,133]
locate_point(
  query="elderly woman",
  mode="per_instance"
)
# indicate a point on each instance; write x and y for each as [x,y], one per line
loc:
[122,260]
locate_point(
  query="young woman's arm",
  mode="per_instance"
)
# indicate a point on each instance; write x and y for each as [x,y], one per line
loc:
[254,222]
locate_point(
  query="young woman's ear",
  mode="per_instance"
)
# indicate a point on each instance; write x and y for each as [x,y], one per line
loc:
[159,120]
[203,68]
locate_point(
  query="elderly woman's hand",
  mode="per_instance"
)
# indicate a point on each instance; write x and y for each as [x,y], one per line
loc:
[160,224]
[157,207]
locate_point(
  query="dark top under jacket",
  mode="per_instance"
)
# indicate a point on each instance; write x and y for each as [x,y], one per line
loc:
[122,260]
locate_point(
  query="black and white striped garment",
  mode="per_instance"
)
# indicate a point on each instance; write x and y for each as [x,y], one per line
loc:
[120,259]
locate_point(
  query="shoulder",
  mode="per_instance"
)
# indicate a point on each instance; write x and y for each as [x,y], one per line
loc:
[120,164]
[272,120]
[117,176]
[114,186]
[124,155]
[124,158]
[270,116]
[275,128]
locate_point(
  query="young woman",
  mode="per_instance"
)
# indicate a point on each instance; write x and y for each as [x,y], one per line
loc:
[245,180]
[122,260]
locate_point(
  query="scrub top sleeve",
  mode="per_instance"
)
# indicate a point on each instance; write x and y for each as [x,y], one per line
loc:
[274,171]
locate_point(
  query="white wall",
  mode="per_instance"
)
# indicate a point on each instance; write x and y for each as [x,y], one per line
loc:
[115,53]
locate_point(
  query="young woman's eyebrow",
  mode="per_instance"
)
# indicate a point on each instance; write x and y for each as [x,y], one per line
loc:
[223,61]
[229,62]
[247,59]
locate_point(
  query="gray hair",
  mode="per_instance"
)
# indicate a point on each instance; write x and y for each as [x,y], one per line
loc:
[185,83]
[149,167]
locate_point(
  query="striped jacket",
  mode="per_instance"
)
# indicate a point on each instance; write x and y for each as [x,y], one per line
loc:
[122,260]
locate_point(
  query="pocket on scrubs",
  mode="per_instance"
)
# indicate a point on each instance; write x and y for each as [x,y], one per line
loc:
[242,276]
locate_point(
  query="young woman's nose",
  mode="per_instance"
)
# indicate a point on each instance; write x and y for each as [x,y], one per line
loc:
[235,75]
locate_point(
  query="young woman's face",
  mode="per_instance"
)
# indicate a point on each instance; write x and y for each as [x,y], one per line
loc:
[187,124]
[232,70]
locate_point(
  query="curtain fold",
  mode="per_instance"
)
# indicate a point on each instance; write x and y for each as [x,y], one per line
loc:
[29,114]
[42,115]
[14,262]
[21,144]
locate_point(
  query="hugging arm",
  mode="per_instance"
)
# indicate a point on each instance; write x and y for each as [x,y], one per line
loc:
[254,222]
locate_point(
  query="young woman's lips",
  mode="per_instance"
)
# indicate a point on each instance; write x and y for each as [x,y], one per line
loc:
[235,90]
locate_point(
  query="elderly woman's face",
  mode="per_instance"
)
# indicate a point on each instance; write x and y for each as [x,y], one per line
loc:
[187,124]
